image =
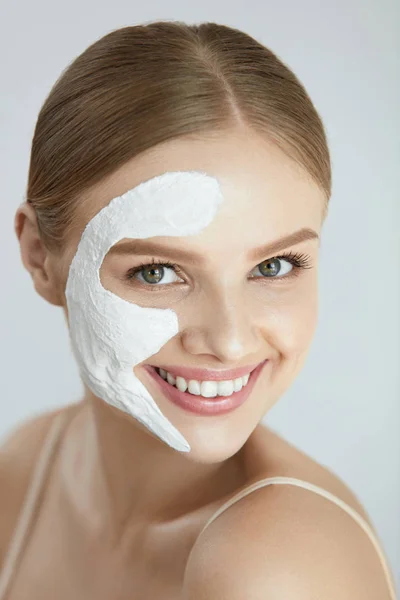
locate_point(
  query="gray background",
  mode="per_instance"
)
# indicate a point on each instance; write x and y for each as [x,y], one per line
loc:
[343,408]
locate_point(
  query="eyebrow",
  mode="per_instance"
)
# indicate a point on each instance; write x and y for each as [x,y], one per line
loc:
[139,246]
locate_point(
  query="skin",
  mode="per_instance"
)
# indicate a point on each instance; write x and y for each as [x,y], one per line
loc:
[137,521]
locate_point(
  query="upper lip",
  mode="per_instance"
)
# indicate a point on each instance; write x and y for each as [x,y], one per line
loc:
[198,374]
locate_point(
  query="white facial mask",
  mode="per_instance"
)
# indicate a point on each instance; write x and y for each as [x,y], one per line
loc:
[110,335]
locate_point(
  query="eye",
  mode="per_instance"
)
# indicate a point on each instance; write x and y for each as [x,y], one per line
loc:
[271,267]
[154,273]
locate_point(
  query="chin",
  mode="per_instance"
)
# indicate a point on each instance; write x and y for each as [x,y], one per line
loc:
[217,441]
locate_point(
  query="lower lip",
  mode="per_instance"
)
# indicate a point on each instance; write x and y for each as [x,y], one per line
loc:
[206,406]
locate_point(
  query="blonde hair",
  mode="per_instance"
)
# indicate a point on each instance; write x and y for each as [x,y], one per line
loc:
[141,85]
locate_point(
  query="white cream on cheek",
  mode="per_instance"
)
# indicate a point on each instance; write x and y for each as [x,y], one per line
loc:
[109,335]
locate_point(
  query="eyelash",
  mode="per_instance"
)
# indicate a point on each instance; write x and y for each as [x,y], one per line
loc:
[299,260]
[130,274]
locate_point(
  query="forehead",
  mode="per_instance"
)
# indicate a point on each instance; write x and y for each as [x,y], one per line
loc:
[266,194]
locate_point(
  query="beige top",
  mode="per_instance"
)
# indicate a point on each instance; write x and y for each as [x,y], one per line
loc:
[23,526]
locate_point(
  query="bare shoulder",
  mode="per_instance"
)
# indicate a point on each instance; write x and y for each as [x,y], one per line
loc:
[278,457]
[283,541]
[18,455]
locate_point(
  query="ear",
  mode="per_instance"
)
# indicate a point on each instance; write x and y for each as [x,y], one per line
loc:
[37,259]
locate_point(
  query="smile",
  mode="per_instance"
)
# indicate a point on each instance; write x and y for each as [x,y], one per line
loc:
[205,396]
[206,389]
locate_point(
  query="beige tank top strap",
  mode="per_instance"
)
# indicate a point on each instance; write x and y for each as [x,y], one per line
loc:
[30,503]
[322,492]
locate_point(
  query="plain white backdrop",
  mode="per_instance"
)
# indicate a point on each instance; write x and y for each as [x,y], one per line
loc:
[344,407]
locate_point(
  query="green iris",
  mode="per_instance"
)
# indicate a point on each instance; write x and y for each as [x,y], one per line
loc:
[270,267]
[153,274]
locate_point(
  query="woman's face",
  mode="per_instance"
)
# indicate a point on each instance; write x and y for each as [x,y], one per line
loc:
[242,296]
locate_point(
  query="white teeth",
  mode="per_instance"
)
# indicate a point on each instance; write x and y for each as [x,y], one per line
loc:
[237,384]
[171,379]
[181,384]
[207,389]
[225,388]
[194,387]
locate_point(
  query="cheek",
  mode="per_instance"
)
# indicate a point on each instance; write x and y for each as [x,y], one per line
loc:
[293,325]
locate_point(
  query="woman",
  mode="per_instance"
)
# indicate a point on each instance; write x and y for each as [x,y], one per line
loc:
[178,183]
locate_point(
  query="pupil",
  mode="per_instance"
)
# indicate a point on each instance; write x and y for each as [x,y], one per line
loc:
[270,267]
[153,275]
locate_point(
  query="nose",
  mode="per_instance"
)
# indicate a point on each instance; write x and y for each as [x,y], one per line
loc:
[222,326]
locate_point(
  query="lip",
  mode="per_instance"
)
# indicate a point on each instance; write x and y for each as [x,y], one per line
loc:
[207,374]
[206,406]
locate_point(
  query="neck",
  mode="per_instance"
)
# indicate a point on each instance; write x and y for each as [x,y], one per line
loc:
[134,476]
